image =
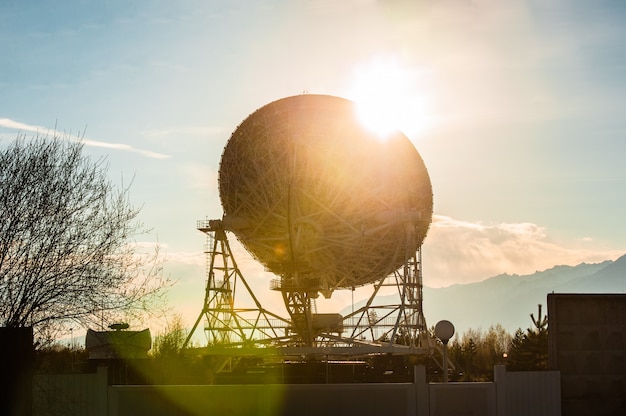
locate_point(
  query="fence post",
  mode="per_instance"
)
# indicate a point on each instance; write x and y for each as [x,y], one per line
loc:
[102,391]
[421,390]
[499,377]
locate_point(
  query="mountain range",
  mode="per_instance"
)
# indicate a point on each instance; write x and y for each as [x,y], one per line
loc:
[510,299]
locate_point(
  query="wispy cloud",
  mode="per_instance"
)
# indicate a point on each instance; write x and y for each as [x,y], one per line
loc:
[462,252]
[16,125]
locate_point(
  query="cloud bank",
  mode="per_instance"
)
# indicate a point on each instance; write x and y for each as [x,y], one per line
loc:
[458,251]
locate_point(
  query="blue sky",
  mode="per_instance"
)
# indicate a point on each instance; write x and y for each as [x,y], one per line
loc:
[516,108]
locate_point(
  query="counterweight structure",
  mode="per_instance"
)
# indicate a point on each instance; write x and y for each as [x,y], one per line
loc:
[325,205]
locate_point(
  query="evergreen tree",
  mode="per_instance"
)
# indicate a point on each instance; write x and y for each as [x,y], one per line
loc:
[529,351]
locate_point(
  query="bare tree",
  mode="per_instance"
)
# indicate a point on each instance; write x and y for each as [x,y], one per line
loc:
[170,343]
[66,249]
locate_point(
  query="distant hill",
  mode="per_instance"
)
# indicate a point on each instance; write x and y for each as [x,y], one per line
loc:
[510,299]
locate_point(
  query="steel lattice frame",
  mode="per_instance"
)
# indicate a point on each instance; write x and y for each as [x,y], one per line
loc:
[396,327]
[226,323]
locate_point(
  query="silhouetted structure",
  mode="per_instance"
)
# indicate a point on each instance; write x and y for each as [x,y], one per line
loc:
[118,344]
[16,371]
[587,344]
[125,354]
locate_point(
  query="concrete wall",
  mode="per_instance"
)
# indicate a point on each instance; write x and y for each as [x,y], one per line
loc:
[462,399]
[533,393]
[264,400]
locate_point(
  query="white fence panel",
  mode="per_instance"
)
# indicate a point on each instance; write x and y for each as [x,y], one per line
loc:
[70,394]
[530,393]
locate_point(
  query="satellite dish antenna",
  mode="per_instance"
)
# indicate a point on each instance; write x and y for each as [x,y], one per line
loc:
[320,200]
[444,330]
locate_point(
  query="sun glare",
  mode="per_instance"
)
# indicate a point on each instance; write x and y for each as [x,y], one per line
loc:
[387,98]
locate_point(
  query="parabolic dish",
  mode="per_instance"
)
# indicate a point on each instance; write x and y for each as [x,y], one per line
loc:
[307,189]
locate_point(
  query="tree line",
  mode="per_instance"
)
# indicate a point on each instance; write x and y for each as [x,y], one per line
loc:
[472,356]
[475,352]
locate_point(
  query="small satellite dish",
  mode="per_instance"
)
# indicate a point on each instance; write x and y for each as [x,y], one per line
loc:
[444,330]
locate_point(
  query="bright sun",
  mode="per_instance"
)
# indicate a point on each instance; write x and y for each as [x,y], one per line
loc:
[388,99]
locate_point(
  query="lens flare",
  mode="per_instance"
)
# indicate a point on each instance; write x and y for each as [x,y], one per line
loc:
[389,98]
